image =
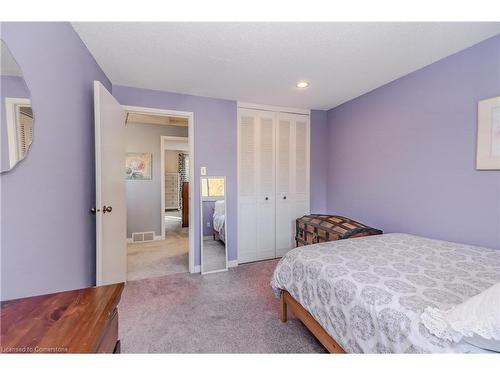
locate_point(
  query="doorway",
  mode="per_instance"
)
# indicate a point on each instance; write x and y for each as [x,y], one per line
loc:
[162,142]
[175,166]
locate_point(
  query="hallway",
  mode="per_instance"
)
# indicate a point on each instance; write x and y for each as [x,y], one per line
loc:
[159,258]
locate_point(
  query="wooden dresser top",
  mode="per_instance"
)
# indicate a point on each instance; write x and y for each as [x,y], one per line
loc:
[65,322]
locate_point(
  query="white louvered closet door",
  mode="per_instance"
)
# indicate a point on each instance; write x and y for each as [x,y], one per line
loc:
[292,194]
[247,185]
[273,181]
[256,210]
[266,233]
[284,172]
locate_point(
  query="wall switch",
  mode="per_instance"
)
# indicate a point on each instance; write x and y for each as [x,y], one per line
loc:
[203,171]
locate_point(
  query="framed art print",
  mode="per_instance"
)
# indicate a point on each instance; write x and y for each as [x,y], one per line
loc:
[138,166]
[488,134]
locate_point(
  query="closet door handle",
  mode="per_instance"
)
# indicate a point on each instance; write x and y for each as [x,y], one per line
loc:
[284,197]
[107,209]
[267,198]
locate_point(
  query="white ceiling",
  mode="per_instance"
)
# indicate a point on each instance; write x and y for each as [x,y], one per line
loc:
[261,62]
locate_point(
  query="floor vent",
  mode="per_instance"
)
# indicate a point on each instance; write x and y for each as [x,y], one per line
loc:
[143,236]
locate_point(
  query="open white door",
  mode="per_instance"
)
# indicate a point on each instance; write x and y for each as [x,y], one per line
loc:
[111,209]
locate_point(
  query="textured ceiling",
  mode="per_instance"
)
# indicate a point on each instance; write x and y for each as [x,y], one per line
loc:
[261,62]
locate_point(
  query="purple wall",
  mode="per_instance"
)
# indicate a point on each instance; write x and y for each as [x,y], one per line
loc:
[215,137]
[319,160]
[47,234]
[10,87]
[208,216]
[402,157]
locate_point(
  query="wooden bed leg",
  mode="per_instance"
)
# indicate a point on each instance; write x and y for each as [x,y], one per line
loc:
[283,309]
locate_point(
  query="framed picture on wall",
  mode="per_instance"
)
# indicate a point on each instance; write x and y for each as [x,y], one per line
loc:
[488,134]
[138,166]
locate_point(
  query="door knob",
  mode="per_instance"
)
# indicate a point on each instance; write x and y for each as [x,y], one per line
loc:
[284,197]
[267,198]
[95,210]
[107,209]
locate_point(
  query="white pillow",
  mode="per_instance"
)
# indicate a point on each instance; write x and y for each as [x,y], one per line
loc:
[476,321]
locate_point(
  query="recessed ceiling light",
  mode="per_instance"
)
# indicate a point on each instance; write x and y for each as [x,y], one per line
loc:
[302,84]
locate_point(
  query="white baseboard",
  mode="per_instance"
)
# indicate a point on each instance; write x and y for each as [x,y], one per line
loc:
[230,264]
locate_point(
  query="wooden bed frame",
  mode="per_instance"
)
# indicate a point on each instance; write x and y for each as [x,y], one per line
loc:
[286,300]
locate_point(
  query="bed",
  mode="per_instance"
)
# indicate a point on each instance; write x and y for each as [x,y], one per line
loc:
[219,220]
[366,295]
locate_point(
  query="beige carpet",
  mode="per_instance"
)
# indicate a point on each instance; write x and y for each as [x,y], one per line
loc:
[160,258]
[226,312]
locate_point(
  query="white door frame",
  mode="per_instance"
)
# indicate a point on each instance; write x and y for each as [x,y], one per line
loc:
[164,138]
[190,117]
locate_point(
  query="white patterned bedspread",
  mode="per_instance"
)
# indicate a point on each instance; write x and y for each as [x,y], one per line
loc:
[368,293]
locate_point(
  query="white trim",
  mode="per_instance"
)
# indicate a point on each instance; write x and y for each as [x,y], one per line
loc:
[164,138]
[191,191]
[12,119]
[238,181]
[271,108]
[202,226]
[176,139]
[98,180]
[215,271]
[230,264]
[158,111]
[190,117]
[485,159]
[162,186]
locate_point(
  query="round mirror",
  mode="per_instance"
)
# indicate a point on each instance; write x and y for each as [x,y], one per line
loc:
[16,126]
